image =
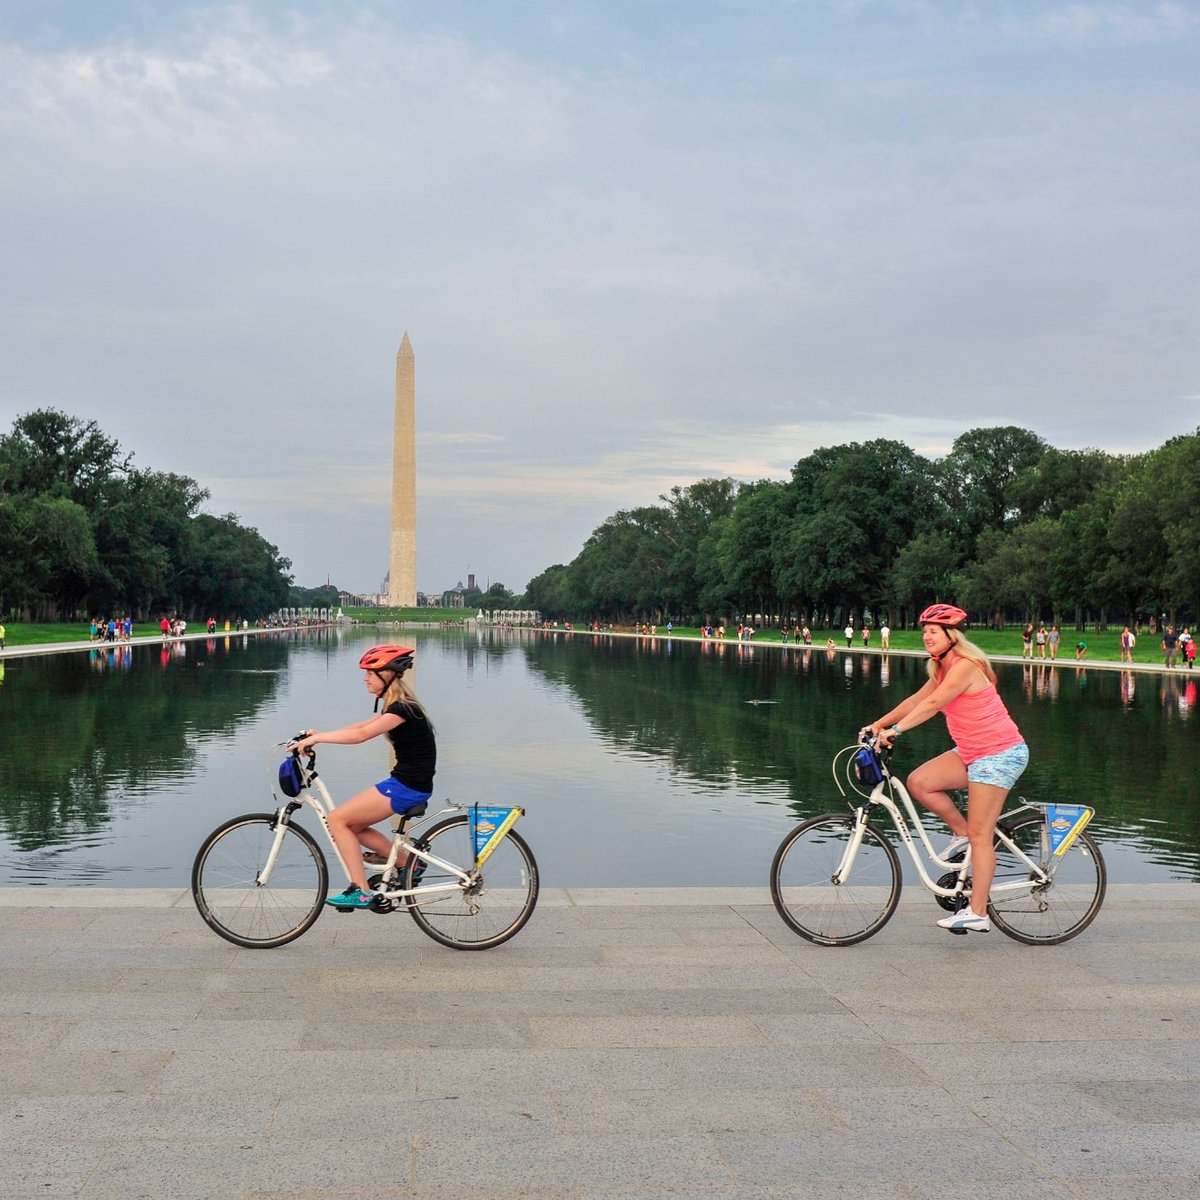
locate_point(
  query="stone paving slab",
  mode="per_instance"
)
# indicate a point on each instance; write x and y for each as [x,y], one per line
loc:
[656,1044]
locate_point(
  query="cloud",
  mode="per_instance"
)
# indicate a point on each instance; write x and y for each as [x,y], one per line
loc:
[633,247]
[486,440]
[1119,24]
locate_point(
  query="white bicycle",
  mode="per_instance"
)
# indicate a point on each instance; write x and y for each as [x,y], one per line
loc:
[469,881]
[836,878]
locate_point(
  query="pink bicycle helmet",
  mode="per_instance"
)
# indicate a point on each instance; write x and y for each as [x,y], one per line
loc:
[946,615]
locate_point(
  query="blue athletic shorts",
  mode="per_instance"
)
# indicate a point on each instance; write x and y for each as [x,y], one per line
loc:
[403,799]
[1000,770]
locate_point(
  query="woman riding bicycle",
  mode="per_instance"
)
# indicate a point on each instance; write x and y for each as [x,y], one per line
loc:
[989,753]
[410,784]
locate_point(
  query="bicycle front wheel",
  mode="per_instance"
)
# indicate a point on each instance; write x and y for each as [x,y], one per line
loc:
[820,908]
[226,888]
[1045,914]
[480,915]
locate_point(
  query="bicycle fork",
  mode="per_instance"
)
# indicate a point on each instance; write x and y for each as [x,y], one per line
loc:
[851,852]
[281,828]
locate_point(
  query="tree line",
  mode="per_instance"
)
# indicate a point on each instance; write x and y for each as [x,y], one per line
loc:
[1005,525]
[83,531]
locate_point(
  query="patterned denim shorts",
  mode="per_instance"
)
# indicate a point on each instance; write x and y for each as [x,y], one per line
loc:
[1000,770]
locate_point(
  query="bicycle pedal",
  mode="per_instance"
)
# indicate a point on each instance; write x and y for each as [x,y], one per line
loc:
[959,932]
[339,908]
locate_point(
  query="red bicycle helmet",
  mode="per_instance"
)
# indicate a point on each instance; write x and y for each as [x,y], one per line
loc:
[945,615]
[387,658]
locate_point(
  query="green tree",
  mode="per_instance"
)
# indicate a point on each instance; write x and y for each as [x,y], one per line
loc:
[48,552]
[233,570]
[497,596]
[1060,481]
[549,594]
[977,478]
[325,596]
[1014,569]
[51,454]
[142,535]
[855,507]
[81,527]
[694,510]
[748,548]
[924,569]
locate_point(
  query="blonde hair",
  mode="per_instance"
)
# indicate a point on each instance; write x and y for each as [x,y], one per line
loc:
[398,692]
[962,646]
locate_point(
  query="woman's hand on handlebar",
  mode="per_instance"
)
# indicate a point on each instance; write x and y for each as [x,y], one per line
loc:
[877,735]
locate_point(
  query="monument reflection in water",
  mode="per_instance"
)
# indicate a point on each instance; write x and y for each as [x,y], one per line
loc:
[641,762]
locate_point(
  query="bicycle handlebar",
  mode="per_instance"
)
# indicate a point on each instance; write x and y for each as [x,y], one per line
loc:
[290,746]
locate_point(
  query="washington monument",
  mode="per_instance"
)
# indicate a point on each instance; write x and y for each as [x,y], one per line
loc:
[402,574]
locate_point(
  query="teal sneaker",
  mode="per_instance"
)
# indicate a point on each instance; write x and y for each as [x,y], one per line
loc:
[352,898]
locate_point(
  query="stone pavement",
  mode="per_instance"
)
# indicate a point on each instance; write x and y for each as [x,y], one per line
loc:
[636,1044]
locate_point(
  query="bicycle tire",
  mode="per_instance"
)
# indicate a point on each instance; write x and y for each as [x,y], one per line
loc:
[231,902]
[828,913]
[1050,915]
[482,916]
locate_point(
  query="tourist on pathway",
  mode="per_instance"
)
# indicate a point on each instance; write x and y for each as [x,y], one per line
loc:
[1170,644]
[1127,644]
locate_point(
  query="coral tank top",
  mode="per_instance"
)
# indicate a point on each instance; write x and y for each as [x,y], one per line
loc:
[980,725]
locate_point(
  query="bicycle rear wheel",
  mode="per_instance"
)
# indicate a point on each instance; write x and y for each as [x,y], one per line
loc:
[229,897]
[1050,913]
[812,903]
[481,915]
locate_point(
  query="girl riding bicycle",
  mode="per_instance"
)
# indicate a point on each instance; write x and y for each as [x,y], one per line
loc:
[410,784]
[989,753]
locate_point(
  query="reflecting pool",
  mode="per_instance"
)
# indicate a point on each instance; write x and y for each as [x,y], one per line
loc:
[641,762]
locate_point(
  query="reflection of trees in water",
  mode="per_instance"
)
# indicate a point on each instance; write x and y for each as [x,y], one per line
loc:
[1133,759]
[485,647]
[717,712]
[82,729]
[1125,743]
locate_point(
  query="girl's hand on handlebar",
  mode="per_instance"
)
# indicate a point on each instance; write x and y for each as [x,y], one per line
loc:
[301,744]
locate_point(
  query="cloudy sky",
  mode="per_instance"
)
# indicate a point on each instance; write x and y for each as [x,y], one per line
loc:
[633,244]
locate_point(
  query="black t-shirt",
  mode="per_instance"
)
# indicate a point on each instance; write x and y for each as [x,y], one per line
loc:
[415,747]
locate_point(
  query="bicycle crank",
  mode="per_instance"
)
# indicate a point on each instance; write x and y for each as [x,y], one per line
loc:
[955,902]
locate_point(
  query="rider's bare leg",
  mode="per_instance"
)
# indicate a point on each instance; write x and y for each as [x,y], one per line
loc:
[928,785]
[984,802]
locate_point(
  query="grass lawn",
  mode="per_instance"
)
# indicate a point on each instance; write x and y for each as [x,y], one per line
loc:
[77,631]
[20,634]
[1100,646]
[426,616]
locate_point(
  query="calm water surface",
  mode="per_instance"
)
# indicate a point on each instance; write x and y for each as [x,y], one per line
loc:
[641,763]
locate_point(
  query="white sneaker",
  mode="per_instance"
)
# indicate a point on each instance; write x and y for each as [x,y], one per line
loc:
[954,846]
[966,919]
